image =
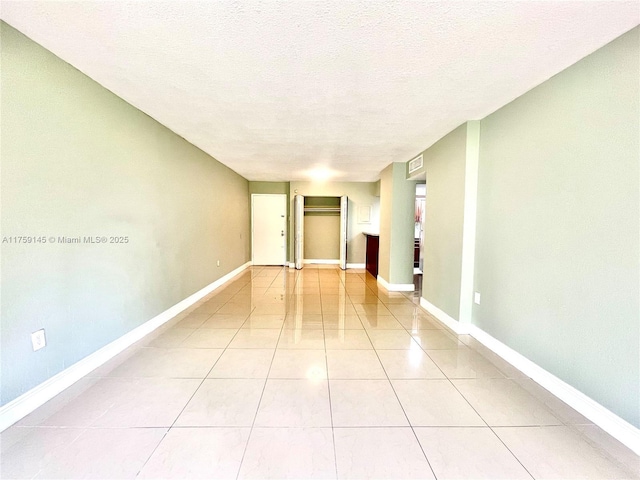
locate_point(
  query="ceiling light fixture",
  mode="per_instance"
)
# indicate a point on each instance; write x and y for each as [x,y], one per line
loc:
[321,174]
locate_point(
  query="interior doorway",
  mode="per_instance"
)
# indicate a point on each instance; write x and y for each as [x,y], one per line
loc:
[269,229]
[418,235]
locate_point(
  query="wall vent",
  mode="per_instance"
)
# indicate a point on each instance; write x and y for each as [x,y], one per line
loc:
[415,164]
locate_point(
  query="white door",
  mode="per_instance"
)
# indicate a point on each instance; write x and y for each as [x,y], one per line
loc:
[298,225]
[344,222]
[269,229]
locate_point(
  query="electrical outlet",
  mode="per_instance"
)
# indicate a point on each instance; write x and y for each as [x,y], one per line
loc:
[218,263]
[476,298]
[38,340]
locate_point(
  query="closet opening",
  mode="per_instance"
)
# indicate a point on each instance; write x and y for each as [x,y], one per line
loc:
[320,234]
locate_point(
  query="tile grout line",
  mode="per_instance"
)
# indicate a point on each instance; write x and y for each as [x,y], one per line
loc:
[470,405]
[491,428]
[474,409]
[240,291]
[195,391]
[46,464]
[197,388]
[602,450]
[455,387]
[264,387]
[326,363]
[402,406]
[487,423]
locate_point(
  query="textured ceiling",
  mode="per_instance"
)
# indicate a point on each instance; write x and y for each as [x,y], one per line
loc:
[273,89]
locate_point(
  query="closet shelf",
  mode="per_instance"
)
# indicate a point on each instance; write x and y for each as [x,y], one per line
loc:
[322,209]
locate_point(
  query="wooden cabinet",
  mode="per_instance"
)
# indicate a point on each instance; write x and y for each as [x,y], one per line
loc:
[373,245]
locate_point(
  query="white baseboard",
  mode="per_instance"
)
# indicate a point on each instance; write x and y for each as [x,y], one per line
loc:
[37,396]
[329,262]
[320,261]
[450,322]
[601,416]
[396,287]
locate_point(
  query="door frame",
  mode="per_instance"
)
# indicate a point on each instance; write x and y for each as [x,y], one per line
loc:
[284,222]
[298,231]
[344,230]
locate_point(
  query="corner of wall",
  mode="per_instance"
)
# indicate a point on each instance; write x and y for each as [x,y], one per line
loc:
[472,160]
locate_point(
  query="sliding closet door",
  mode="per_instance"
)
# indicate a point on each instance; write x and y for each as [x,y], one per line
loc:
[298,230]
[344,221]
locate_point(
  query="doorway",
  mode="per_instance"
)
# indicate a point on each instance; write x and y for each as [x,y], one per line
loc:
[269,229]
[327,218]
[418,255]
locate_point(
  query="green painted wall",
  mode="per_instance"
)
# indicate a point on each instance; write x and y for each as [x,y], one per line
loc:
[444,164]
[322,237]
[557,259]
[269,187]
[397,225]
[360,194]
[322,230]
[79,161]
[385,191]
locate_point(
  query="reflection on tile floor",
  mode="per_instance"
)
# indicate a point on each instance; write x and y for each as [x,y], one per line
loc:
[318,373]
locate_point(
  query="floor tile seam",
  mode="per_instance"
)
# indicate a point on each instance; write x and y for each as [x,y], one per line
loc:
[153,427]
[565,423]
[546,407]
[490,427]
[222,427]
[602,450]
[171,377]
[510,451]
[394,379]
[390,425]
[326,363]
[75,439]
[404,411]
[224,350]
[209,316]
[264,387]
[415,426]
[91,425]
[594,444]
[435,363]
[466,400]
[154,450]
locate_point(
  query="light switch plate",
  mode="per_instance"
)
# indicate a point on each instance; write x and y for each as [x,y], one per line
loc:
[476,298]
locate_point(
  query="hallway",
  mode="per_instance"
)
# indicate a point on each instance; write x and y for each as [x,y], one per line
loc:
[317,373]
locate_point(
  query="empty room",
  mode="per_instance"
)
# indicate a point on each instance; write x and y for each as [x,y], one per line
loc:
[320,239]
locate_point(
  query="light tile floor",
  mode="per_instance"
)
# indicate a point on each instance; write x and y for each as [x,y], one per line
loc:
[312,374]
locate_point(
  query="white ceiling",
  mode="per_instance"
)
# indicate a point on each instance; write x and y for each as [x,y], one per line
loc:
[273,89]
